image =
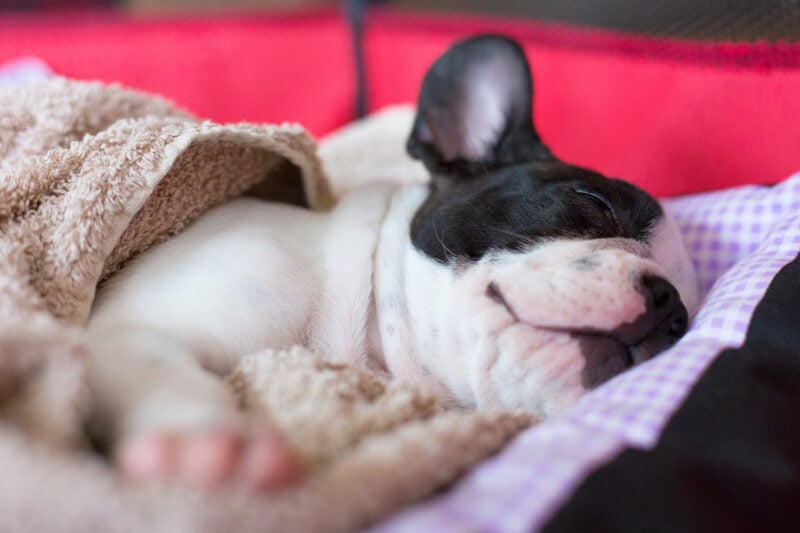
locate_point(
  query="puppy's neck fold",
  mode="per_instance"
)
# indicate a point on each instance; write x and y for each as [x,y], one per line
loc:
[341,325]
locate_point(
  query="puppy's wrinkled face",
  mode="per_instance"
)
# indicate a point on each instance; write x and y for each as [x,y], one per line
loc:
[530,281]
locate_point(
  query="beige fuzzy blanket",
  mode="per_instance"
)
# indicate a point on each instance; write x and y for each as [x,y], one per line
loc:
[92,175]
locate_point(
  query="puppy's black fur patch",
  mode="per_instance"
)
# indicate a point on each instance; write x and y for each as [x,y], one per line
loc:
[494,185]
[516,207]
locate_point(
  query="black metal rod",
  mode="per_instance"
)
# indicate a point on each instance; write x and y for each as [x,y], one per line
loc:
[355,14]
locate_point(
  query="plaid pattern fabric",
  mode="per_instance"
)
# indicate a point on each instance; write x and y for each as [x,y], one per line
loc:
[738,239]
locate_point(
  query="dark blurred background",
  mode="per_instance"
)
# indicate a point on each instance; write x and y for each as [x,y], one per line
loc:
[735,20]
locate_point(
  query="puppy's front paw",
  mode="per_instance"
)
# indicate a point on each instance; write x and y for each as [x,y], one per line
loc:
[261,461]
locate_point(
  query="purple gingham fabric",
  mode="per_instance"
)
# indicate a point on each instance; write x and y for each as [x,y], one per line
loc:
[738,240]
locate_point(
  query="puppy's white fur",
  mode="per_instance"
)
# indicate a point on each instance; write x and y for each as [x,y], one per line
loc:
[246,276]
[251,275]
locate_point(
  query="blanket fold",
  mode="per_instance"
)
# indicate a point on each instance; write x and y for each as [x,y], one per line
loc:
[92,175]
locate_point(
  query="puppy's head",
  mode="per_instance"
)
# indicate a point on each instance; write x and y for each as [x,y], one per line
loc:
[532,280]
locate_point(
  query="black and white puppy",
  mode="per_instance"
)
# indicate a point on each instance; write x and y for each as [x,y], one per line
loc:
[512,279]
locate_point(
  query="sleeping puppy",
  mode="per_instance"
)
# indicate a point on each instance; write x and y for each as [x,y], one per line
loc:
[512,280]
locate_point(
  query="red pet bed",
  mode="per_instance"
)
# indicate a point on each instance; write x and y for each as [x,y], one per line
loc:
[672,116]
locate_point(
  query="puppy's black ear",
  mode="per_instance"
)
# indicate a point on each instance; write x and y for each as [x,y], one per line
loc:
[474,112]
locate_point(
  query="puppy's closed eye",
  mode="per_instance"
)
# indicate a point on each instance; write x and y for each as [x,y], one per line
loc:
[608,211]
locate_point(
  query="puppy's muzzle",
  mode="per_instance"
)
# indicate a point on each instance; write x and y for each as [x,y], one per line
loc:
[608,353]
[663,322]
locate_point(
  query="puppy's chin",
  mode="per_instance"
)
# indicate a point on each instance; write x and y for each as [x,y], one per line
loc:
[534,370]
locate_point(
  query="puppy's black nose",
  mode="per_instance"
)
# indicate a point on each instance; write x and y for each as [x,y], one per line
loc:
[664,321]
[667,306]
[660,326]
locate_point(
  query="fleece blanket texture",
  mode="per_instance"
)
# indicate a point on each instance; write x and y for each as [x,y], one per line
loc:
[92,175]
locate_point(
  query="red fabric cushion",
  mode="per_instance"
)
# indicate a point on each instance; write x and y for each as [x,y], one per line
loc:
[266,68]
[674,117]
